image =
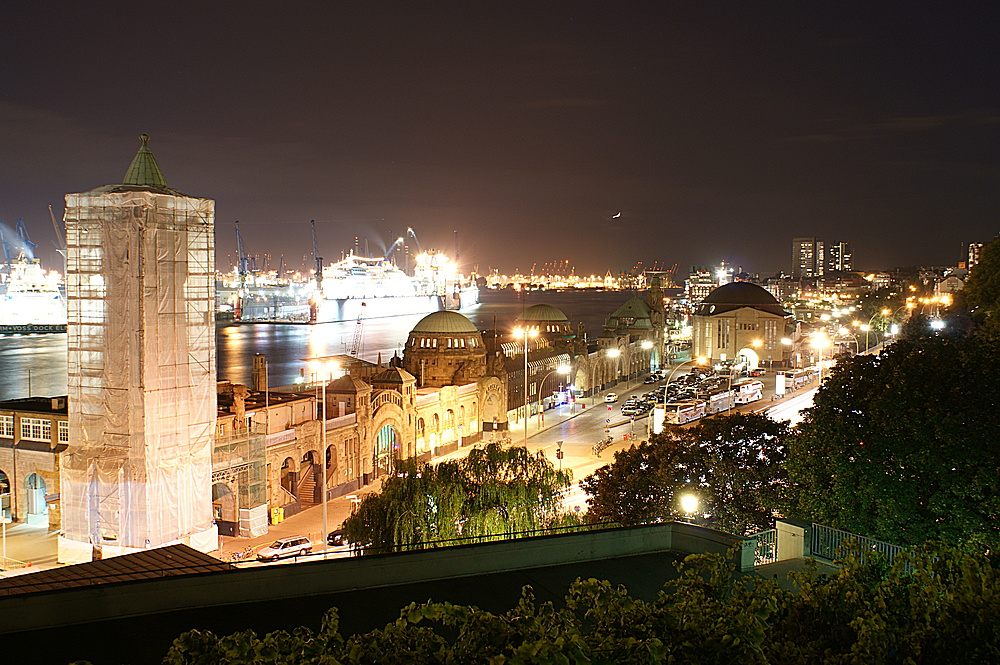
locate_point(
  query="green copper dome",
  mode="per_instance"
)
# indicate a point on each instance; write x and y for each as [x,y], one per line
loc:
[144,170]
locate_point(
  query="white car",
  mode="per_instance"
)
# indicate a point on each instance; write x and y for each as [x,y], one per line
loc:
[283,547]
[611,398]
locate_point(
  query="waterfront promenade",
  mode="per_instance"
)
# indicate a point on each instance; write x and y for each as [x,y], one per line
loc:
[577,426]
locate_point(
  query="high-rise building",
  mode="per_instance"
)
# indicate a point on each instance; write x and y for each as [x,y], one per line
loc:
[808,259]
[141,363]
[975,248]
[840,258]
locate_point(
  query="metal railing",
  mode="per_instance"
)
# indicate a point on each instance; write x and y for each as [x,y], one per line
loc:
[829,543]
[766,549]
[11,564]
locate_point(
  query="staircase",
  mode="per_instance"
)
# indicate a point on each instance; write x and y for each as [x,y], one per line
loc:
[307,485]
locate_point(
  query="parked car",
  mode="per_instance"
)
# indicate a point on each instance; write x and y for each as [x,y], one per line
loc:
[758,372]
[285,547]
[336,537]
[611,398]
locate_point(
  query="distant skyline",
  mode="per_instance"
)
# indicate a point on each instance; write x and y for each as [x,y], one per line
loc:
[718,131]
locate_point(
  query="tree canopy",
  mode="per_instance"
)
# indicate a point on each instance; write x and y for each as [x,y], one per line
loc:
[903,446]
[733,463]
[935,605]
[493,490]
[981,293]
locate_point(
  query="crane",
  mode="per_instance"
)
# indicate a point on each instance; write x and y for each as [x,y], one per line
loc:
[22,245]
[317,259]
[358,333]
[61,246]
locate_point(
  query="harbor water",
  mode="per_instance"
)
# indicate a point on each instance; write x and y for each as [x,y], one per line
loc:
[36,365]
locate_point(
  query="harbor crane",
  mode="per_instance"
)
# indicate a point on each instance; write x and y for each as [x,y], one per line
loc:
[22,245]
[359,329]
[60,238]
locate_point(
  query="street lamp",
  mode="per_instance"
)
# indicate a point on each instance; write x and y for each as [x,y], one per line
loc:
[562,369]
[327,371]
[700,360]
[526,335]
[689,506]
[844,332]
[819,343]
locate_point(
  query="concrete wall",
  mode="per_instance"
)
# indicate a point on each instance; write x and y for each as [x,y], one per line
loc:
[112,601]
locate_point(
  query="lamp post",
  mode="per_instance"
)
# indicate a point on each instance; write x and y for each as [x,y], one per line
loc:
[700,360]
[327,373]
[844,332]
[562,369]
[818,343]
[614,353]
[525,334]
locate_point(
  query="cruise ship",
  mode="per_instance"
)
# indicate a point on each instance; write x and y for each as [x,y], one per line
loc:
[31,301]
[357,286]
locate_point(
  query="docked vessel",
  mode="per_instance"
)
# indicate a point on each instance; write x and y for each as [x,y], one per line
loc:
[31,302]
[356,286]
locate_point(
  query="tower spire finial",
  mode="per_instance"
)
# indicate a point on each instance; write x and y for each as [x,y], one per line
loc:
[144,170]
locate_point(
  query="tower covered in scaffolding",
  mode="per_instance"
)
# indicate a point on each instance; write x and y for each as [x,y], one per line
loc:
[141,363]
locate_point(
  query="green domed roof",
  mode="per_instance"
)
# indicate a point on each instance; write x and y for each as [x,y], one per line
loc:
[543,313]
[444,323]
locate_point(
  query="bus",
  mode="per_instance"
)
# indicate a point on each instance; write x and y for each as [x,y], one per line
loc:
[748,391]
[722,401]
[678,413]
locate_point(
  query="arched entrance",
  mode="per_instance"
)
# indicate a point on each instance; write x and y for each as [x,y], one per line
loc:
[386,449]
[748,356]
[224,509]
[37,511]
[288,475]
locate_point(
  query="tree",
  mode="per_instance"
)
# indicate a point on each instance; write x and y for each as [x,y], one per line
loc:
[934,605]
[981,293]
[903,446]
[732,462]
[492,491]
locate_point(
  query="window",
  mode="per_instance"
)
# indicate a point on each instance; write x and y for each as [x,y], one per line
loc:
[63,431]
[36,429]
[7,426]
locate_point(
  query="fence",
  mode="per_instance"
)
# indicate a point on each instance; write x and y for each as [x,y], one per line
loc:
[828,543]
[766,547]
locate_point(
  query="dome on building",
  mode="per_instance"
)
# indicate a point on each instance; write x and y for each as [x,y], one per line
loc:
[543,314]
[444,323]
[394,375]
[346,384]
[634,315]
[740,294]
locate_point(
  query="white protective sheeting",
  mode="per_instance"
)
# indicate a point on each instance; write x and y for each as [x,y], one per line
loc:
[141,345]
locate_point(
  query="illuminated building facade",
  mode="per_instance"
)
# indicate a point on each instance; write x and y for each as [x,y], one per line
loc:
[808,258]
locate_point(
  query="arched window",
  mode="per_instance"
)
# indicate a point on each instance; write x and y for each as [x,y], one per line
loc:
[435,423]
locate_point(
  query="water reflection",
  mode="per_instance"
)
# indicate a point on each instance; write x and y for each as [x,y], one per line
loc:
[42,358]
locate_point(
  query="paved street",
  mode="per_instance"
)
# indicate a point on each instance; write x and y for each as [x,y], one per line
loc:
[578,426]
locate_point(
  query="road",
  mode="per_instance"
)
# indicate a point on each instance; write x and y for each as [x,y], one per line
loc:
[578,426]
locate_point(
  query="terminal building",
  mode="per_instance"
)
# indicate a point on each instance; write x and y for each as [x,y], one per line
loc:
[740,322]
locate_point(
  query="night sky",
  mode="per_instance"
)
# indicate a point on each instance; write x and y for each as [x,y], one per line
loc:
[719,131]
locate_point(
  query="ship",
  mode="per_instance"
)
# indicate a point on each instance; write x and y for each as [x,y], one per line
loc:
[372,287]
[31,301]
